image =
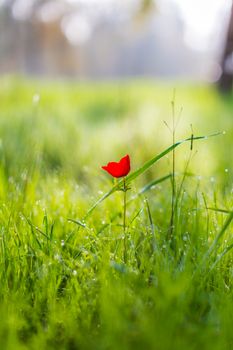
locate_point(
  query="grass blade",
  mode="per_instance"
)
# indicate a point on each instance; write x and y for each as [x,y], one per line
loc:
[225,251]
[219,236]
[219,210]
[145,167]
[153,183]
[77,222]
[148,186]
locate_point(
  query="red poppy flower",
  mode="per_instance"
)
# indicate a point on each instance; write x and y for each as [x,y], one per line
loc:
[118,169]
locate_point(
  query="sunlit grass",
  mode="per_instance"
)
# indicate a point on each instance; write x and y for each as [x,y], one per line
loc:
[65,285]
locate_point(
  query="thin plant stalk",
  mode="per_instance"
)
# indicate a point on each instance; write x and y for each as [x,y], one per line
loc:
[124,220]
[173,201]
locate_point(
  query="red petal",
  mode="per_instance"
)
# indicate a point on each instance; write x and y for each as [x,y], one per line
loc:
[118,169]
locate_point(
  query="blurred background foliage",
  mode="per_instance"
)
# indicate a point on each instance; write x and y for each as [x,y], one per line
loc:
[104,39]
[61,127]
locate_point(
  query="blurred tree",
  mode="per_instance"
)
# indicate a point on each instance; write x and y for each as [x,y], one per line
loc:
[226,80]
[146,5]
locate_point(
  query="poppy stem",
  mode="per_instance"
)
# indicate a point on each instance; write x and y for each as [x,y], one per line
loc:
[124,221]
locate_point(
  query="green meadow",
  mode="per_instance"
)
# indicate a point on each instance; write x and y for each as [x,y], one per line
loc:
[71,277]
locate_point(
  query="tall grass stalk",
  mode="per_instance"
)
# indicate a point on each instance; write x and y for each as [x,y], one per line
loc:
[124,220]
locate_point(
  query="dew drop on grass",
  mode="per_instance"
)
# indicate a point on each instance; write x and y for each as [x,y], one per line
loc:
[24,176]
[74,273]
[57,257]
[11,180]
[36,98]
[62,243]
[226,170]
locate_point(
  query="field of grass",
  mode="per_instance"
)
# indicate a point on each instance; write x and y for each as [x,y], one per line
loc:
[65,284]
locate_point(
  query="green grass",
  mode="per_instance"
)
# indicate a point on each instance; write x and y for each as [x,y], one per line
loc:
[65,285]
